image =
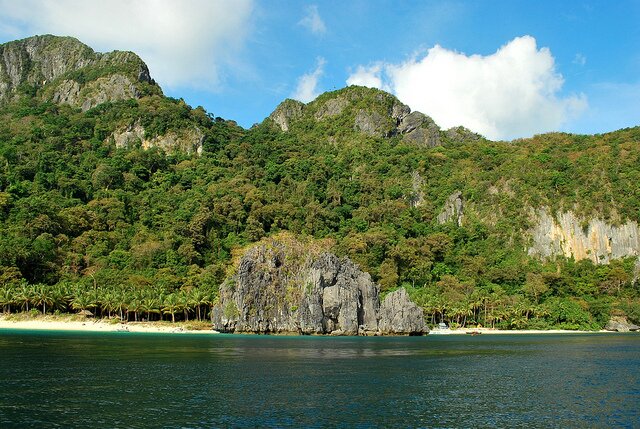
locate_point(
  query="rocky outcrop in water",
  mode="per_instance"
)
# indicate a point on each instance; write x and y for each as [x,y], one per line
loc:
[285,288]
[569,236]
[399,315]
[620,324]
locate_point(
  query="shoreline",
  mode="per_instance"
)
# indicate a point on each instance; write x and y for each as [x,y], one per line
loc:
[492,331]
[61,323]
[73,323]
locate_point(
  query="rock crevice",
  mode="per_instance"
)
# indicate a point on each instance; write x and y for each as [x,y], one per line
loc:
[569,236]
[274,292]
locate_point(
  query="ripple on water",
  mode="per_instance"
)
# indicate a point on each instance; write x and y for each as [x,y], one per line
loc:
[60,380]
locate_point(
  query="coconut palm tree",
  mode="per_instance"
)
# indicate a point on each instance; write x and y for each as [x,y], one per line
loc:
[171,306]
[197,298]
[43,296]
[24,295]
[6,299]
[82,301]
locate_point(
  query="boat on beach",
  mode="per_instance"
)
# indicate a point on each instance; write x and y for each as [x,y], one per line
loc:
[440,329]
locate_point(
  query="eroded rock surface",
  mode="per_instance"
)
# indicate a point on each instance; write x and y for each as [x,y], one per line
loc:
[400,315]
[189,140]
[453,209]
[369,111]
[66,71]
[569,236]
[277,290]
[620,324]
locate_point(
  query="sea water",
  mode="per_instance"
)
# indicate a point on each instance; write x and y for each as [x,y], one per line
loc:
[58,379]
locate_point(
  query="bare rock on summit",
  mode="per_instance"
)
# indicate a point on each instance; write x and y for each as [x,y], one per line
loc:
[286,112]
[66,71]
[419,129]
[365,110]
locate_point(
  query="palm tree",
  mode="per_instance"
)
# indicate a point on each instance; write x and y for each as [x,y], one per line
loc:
[43,296]
[6,299]
[24,295]
[171,306]
[120,302]
[108,301]
[82,301]
[198,298]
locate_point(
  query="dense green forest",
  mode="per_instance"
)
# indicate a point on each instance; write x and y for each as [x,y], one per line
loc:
[149,233]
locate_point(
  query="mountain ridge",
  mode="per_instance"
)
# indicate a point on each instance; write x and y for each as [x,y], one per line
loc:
[144,199]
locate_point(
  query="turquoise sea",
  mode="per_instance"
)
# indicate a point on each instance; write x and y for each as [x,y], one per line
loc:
[123,380]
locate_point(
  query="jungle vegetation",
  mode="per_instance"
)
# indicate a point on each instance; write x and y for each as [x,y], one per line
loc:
[146,234]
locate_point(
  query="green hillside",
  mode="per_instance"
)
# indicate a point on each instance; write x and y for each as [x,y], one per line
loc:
[137,205]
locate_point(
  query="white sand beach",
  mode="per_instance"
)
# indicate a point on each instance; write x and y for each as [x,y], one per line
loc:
[490,331]
[52,323]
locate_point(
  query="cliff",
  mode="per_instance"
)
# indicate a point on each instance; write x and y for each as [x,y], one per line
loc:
[368,111]
[65,71]
[283,286]
[572,237]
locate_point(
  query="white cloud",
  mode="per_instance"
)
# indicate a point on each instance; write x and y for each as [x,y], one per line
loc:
[367,76]
[580,59]
[511,93]
[313,21]
[188,42]
[307,88]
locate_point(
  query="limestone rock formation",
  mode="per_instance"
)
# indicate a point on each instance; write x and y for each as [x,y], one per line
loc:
[368,111]
[462,134]
[453,209]
[400,315]
[66,71]
[286,112]
[620,324]
[417,183]
[187,139]
[419,129]
[371,123]
[567,235]
[285,288]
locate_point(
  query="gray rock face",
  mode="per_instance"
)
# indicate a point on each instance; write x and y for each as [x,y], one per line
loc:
[461,134]
[373,112]
[111,88]
[332,107]
[567,235]
[317,295]
[58,67]
[620,324]
[187,139]
[417,183]
[371,123]
[453,209]
[400,315]
[419,129]
[286,112]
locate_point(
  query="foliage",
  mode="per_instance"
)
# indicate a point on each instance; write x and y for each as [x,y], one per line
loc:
[148,234]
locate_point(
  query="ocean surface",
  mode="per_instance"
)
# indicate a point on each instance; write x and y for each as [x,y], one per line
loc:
[122,380]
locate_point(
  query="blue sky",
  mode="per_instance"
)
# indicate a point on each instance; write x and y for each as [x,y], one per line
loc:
[506,69]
